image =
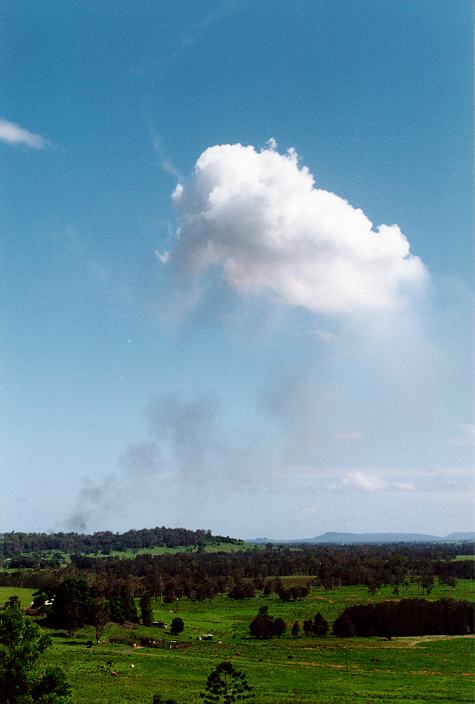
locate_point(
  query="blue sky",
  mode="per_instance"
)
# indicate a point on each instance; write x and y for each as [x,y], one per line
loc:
[203,328]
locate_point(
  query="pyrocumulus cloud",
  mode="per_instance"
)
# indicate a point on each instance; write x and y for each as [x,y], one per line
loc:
[259,218]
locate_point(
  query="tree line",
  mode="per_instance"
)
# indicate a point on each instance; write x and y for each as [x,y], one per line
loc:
[13,543]
[201,575]
[330,567]
[407,617]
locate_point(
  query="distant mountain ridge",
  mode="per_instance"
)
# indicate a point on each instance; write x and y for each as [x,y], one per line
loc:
[368,538]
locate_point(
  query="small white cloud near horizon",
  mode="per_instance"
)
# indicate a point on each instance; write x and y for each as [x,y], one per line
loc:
[404,486]
[259,218]
[350,436]
[373,483]
[364,482]
[14,134]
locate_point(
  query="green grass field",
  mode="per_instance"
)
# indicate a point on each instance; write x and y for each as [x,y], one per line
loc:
[212,547]
[131,553]
[25,595]
[427,670]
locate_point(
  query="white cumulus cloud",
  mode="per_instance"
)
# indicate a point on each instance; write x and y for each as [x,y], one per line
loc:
[14,134]
[362,481]
[259,217]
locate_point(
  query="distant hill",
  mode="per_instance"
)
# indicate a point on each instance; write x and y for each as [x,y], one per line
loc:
[460,536]
[369,538]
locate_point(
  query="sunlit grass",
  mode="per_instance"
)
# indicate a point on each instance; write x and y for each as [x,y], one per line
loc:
[425,670]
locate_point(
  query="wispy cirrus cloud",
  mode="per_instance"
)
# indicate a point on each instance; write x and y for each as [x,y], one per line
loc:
[166,164]
[12,133]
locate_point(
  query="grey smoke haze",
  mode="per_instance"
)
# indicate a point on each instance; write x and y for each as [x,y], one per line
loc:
[187,459]
[379,381]
[351,419]
[192,461]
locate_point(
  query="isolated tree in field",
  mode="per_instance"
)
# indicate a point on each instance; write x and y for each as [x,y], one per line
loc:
[373,585]
[295,629]
[262,626]
[279,627]
[146,610]
[426,582]
[320,625]
[177,626]
[21,644]
[99,615]
[226,685]
[265,626]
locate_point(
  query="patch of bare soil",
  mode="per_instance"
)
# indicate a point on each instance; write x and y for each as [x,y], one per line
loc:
[412,641]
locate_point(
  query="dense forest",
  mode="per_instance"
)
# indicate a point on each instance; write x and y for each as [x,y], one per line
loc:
[199,575]
[408,617]
[13,544]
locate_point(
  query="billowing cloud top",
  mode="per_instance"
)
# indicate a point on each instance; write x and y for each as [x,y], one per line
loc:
[259,216]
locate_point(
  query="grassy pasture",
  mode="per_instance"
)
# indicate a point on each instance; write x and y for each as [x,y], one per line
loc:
[227,617]
[161,550]
[281,671]
[25,595]
[131,553]
[424,670]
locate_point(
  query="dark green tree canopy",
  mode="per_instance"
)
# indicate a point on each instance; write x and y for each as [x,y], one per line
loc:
[71,604]
[21,644]
[265,626]
[227,685]
[295,629]
[146,609]
[99,615]
[177,626]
